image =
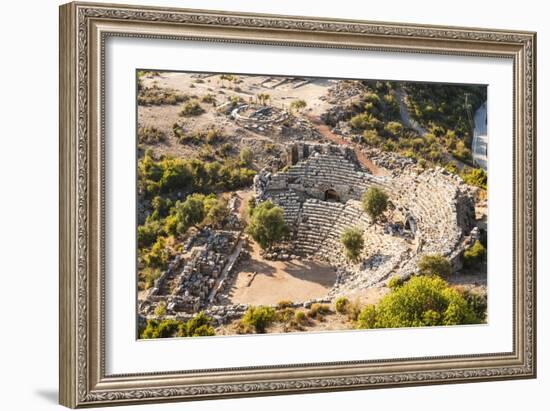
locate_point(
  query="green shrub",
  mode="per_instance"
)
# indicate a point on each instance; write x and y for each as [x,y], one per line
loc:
[318,310]
[186,214]
[150,135]
[421,301]
[160,310]
[149,276]
[172,175]
[354,309]
[300,317]
[158,255]
[214,135]
[371,138]
[286,315]
[367,317]
[156,96]
[298,105]
[198,326]
[341,305]
[209,99]
[148,232]
[353,242]
[461,152]
[478,304]
[160,329]
[474,255]
[475,177]
[394,128]
[217,212]
[246,156]
[284,304]
[191,108]
[395,282]
[435,264]
[365,121]
[375,202]
[259,318]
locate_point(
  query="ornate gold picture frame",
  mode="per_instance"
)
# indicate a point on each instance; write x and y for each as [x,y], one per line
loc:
[84,29]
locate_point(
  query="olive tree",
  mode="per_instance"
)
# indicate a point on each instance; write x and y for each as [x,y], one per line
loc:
[267,224]
[353,242]
[375,202]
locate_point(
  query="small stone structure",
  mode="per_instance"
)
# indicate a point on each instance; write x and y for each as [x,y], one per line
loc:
[258,117]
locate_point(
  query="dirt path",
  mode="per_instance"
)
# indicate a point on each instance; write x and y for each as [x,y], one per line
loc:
[262,281]
[404,111]
[363,159]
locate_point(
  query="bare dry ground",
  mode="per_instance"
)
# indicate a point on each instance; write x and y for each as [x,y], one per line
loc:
[262,281]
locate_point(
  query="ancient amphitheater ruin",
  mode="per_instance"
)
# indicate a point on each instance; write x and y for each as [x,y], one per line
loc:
[431,212]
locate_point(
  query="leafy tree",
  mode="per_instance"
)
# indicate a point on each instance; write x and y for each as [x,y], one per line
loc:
[148,232]
[353,242]
[161,207]
[259,318]
[216,212]
[170,175]
[375,202]
[186,214]
[158,256]
[421,301]
[435,264]
[267,224]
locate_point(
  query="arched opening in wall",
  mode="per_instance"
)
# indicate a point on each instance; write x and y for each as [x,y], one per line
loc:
[332,195]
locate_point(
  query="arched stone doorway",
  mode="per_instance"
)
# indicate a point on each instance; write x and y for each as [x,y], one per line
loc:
[332,195]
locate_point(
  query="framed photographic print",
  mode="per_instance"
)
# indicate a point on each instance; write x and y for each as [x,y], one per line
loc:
[259,204]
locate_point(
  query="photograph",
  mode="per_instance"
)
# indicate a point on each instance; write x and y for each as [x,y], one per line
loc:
[273,204]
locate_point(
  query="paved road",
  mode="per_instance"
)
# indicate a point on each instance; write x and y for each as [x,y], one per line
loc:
[480,140]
